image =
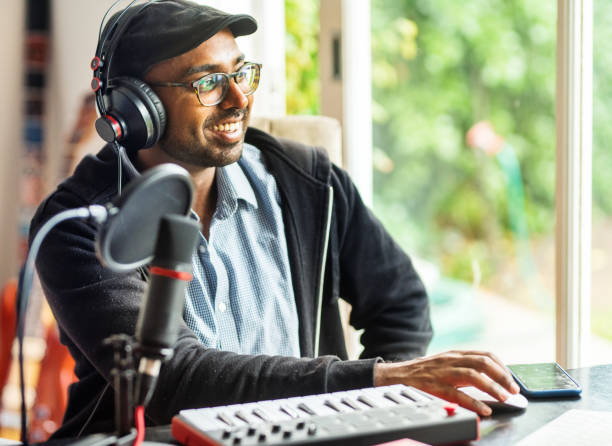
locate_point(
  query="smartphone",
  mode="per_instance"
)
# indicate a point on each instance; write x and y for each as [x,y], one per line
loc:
[544,380]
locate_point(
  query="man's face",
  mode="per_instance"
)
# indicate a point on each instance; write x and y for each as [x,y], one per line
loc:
[196,134]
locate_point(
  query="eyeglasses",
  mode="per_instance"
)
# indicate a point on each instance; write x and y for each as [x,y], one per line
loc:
[212,88]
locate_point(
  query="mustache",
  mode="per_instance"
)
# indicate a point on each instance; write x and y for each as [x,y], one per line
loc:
[228,114]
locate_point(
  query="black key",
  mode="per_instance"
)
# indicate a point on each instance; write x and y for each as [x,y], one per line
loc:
[244,417]
[409,396]
[226,419]
[350,403]
[367,401]
[262,414]
[251,431]
[286,434]
[276,428]
[289,411]
[392,397]
[305,408]
[332,405]
[261,438]
[301,425]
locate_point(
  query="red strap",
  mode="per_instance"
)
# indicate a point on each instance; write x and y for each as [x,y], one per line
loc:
[180,275]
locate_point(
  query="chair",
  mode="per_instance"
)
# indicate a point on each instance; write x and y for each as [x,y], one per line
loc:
[325,132]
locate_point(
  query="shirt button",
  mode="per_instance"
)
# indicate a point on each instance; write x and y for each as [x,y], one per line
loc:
[202,249]
[222,307]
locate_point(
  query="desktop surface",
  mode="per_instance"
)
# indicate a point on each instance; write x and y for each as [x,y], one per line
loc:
[509,428]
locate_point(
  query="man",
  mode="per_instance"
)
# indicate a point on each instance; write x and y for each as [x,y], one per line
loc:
[274,216]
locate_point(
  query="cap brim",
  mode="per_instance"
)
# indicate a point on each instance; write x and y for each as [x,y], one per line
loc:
[241,25]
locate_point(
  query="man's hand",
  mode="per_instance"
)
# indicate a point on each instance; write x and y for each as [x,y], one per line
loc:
[441,374]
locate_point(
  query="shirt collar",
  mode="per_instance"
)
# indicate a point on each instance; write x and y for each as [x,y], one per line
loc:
[232,186]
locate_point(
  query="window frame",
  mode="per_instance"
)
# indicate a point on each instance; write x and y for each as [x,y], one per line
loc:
[574,127]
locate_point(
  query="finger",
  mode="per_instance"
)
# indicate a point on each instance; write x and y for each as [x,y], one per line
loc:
[514,387]
[487,365]
[455,396]
[493,356]
[484,383]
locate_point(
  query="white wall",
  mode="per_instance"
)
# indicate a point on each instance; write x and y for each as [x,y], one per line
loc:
[74,36]
[11,118]
[266,46]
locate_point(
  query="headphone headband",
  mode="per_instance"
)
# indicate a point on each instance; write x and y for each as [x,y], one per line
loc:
[130,112]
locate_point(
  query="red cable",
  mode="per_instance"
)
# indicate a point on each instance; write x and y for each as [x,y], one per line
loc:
[140,425]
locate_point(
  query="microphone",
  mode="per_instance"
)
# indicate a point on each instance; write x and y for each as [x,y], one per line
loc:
[162,310]
[125,241]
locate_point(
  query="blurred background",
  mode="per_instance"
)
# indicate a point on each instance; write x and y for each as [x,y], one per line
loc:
[456,156]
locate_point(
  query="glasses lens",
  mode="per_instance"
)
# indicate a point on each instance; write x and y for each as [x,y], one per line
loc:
[212,88]
[247,78]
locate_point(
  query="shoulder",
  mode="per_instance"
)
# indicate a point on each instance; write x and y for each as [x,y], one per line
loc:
[93,182]
[308,160]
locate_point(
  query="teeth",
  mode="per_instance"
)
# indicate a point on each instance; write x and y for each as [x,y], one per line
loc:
[227,127]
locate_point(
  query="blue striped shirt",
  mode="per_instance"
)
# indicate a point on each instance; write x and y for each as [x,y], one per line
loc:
[241,297]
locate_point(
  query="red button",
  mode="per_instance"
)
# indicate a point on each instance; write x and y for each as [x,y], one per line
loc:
[450,409]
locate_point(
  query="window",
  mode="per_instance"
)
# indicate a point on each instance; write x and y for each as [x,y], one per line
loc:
[601,259]
[479,216]
[475,208]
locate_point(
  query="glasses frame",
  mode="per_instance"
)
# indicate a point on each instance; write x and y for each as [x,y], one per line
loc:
[195,84]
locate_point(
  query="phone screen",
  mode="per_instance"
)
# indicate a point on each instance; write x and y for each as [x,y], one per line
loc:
[545,376]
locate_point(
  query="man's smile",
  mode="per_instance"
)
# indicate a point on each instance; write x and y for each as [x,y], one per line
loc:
[228,131]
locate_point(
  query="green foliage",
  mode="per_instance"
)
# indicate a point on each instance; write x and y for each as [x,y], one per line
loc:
[602,109]
[440,66]
[302,47]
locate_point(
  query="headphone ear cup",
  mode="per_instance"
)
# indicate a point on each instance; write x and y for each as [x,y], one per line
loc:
[137,109]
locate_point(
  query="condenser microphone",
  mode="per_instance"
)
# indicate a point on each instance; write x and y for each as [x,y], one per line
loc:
[162,309]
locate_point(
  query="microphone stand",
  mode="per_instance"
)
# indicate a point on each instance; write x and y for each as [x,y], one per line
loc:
[123,379]
[157,327]
[166,177]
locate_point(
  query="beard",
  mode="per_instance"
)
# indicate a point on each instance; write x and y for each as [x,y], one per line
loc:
[185,145]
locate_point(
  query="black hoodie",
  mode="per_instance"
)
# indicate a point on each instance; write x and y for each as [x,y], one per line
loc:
[325,222]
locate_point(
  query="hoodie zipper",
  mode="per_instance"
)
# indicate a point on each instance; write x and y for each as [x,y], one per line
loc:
[330,203]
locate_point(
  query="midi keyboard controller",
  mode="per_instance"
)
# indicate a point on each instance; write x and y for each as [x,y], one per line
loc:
[355,417]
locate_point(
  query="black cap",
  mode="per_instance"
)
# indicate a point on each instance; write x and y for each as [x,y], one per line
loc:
[165,29]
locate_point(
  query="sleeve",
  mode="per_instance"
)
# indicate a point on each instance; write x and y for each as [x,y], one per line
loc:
[91,302]
[378,279]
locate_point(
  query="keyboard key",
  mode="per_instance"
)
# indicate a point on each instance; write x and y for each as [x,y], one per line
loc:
[304,407]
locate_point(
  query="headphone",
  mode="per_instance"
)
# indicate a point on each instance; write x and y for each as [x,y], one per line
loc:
[131,114]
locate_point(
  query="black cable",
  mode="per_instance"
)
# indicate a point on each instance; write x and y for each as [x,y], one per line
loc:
[23,294]
[104,18]
[93,411]
[101,43]
[127,162]
[119,166]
